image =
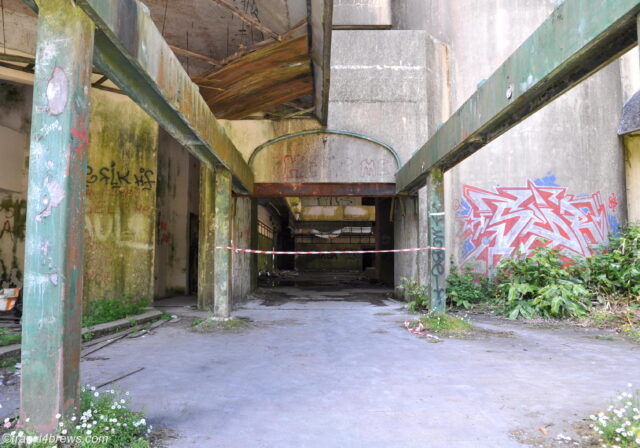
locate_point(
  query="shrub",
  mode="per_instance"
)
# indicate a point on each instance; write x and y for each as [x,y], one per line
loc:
[466,287]
[108,310]
[540,285]
[620,425]
[7,338]
[416,294]
[613,274]
[103,421]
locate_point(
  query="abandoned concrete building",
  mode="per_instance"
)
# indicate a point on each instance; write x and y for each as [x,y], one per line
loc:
[146,145]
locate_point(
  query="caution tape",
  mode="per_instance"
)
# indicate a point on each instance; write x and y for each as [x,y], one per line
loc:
[419,331]
[325,252]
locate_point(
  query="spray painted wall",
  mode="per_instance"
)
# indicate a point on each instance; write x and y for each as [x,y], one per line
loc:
[558,175]
[121,199]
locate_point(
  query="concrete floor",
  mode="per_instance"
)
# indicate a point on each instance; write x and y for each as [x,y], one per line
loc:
[329,367]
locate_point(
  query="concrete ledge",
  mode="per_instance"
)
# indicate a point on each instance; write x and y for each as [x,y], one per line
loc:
[97,330]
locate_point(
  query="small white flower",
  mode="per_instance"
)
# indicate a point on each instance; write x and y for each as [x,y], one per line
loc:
[96,394]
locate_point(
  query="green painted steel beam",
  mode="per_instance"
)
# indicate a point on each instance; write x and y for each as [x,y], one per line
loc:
[131,51]
[51,341]
[578,39]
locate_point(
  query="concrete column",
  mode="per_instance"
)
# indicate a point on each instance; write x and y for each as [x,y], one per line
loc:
[435,193]
[51,338]
[254,243]
[222,258]
[384,240]
[206,239]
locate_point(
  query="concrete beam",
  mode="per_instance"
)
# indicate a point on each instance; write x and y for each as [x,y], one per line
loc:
[206,240]
[222,257]
[131,51]
[579,38]
[51,326]
[323,189]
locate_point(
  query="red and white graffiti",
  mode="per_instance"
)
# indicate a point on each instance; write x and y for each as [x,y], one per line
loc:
[498,223]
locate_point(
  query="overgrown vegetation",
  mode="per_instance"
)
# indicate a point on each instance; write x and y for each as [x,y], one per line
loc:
[108,310]
[103,421]
[7,338]
[603,289]
[416,294]
[620,424]
[442,324]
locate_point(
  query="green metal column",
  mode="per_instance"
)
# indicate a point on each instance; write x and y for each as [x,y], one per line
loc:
[51,324]
[435,192]
[222,258]
[206,240]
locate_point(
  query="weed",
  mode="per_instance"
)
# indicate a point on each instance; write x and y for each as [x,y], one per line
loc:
[197,321]
[10,364]
[540,285]
[444,325]
[466,287]
[88,335]
[7,338]
[108,310]
[416,294]
[620,424]
[103,421]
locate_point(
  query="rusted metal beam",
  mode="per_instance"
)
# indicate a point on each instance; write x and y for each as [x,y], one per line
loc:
[247,18]
[578,39]
[51,341]
[131,51]
[267,190]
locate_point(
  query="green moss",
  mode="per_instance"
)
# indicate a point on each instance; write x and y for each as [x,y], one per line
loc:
[444,325]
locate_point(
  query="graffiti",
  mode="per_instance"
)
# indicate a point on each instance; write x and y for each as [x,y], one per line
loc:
[613,202]
[498,223]
[164,236]
[130,231]
[115,178]
[437,260]
[367,168]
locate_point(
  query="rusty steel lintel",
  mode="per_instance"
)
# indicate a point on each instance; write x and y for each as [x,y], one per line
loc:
[323,189]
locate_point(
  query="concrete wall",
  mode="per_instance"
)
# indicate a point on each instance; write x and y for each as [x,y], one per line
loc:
[172,253]
[566,154]
[406,221]
[362,14]
[15,121]
[120,219]
[241,235]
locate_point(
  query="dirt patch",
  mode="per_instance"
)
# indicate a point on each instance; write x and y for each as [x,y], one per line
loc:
[380,331]
[212,325]
[384,314]
[581,436]
[163,437]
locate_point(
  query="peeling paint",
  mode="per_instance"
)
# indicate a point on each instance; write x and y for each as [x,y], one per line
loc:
[52,199]
[57,91]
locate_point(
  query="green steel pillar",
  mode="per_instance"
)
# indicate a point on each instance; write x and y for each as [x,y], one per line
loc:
[435,207]
[206,240]
[222,257]
[51,324]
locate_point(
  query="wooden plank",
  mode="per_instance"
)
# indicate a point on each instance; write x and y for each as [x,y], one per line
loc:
[51,339]
[132,52]
[579,38]
[260,81]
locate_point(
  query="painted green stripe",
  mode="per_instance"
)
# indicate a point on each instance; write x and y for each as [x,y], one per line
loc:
[579,38]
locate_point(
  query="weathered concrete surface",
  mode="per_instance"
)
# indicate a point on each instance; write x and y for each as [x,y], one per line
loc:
[242,270]
[632,152]
[569,144]
[120,216]
[362,13]
[325,368]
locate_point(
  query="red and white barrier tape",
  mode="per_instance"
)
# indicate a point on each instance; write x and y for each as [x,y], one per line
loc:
[324,252]
[419,330]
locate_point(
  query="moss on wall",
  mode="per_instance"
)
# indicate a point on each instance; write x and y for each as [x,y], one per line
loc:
[121,200]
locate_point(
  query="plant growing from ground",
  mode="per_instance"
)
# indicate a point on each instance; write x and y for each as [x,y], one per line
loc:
[416,294]
[108,310]
[465,287]
[103,421]
[540,285]
[443,324]
[7,338]
[619,426]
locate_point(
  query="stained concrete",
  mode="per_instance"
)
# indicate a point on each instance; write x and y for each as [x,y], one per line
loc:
[322,370]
